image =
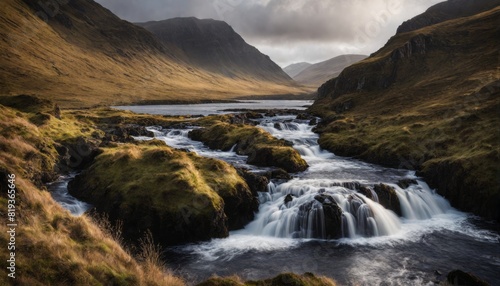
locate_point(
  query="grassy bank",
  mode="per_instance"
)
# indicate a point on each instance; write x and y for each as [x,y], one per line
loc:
[53,247]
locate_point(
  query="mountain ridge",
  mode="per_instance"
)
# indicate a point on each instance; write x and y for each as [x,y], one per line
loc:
[80,54]
[215,46]
[316,74]
[294,69]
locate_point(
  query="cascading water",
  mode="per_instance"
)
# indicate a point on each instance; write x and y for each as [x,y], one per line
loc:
[340,197]
[295,209]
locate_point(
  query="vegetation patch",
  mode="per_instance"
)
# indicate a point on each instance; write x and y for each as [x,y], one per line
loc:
[261,147]
[178,196]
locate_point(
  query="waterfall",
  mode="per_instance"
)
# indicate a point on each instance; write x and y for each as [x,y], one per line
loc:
[325,201]
[296,209]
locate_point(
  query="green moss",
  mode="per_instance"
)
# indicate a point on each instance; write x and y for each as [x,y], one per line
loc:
[179,196]
[261,147]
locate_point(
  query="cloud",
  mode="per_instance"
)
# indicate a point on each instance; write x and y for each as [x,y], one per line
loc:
[290,30]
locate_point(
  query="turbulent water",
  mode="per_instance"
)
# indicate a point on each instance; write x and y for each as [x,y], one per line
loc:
[375,247]
[59,191]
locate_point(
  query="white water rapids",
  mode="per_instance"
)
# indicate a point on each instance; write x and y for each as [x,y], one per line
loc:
[377,246]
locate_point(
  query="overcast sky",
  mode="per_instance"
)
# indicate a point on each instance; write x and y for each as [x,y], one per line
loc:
[290,31]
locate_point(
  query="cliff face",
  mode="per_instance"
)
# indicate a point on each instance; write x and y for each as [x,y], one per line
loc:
[429,101]
[78,53]
[215,46]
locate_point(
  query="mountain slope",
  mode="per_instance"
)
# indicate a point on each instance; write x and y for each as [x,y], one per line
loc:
[215,46]
[294,69]
[318,73]
[429,100]
[447,10]
[85,55]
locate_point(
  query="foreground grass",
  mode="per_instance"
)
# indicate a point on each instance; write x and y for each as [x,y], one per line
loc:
[53,247]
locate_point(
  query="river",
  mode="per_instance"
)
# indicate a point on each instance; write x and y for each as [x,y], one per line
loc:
[377,247]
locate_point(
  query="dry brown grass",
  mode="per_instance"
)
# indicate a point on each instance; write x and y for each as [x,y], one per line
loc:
[53,247]
[81,67]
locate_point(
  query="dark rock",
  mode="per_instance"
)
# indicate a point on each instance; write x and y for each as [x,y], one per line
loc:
[279,174]
[240,207]
[288,199]
[277,126]
[254,115]
[366,191]
[304,116]
[388,198]
[405,183]
[333,216]
[459,277]
[313,121]
[255,182]
[77,155]
[452,179]
[57,112]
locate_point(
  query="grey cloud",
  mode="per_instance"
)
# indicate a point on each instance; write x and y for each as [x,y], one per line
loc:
[290,30]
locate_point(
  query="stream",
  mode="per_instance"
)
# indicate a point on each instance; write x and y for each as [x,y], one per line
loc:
[377,247]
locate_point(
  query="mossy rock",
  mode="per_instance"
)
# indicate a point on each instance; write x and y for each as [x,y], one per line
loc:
[180,197]
[261,148]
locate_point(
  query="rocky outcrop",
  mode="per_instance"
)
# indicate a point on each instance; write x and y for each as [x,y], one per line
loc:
[180,197]
[333,216]
[261,148]
[257,183]
[451,178]
[388,198]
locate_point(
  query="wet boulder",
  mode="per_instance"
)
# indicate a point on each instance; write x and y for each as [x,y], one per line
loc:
[405,183]
[257,183]
[332,214]
[388,198]
[288,198]
[459,277]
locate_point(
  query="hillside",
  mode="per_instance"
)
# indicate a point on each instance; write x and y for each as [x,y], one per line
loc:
[447,10]
[214,46]
[85,55]
[429,101]
[318,73]
[294,69]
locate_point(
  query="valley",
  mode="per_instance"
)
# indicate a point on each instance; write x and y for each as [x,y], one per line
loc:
[173,151]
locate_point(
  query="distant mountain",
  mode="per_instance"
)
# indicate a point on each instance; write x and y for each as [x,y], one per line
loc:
[294,69]
[317,74]
[447,10]
[214,46]
[429,100]
[78,53]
